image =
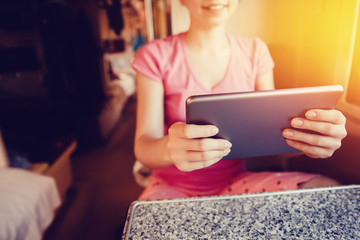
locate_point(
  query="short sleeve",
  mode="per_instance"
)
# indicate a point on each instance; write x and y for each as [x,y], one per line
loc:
[148,61]
[263,60]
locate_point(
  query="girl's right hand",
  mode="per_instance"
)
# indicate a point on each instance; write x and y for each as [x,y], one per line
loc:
[190,147]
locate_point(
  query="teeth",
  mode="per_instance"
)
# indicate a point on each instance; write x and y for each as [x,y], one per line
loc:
[216,7]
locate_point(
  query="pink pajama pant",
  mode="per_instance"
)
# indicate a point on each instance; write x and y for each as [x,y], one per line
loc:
[247,182]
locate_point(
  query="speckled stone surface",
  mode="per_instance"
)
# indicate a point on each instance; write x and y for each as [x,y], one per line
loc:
[327,213]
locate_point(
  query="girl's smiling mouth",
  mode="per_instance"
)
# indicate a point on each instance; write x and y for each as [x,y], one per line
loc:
[215,7]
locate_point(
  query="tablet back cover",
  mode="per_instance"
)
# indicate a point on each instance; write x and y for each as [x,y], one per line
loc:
[253,121]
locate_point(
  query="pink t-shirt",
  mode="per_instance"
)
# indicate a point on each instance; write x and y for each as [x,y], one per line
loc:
[166,61]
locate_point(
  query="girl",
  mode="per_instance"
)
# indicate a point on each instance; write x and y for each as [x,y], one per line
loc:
[203,60]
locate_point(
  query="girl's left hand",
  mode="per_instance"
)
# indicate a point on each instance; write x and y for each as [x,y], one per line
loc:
[328,127]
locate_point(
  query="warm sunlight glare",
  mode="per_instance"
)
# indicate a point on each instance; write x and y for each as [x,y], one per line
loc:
[311,41]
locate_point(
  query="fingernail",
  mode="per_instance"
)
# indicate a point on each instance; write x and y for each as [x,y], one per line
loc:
[228,145]
[214,130]
[311,114]
[227,151]
[288,133]
[297,122]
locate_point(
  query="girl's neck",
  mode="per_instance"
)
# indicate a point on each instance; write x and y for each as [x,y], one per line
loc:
[214,39]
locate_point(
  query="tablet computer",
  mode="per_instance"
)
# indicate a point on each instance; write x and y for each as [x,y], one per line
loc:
[253,121]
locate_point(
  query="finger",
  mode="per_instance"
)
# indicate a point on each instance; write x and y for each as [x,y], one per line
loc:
[324,128]
[200,156]
[311,151]
[312,139]
[332,116]
[207,144]
[183,130]
[196,156]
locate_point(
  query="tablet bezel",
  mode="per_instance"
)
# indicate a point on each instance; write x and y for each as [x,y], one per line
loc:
[263,116]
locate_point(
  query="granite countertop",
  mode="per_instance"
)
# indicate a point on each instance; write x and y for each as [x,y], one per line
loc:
[324,213]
